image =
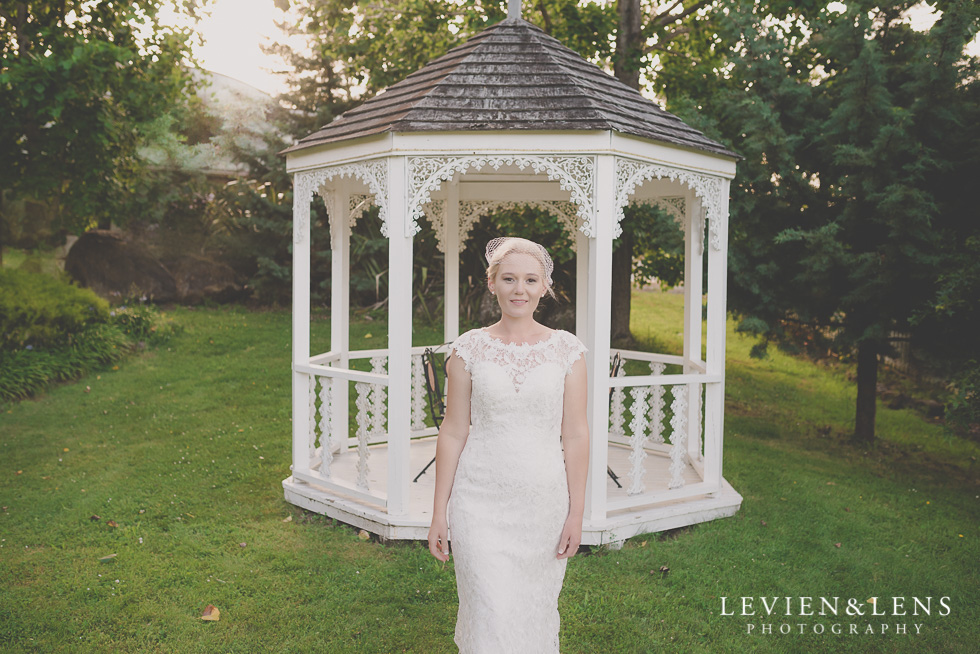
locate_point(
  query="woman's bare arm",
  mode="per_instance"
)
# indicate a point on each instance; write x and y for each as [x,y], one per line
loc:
[575,441]
[449,445]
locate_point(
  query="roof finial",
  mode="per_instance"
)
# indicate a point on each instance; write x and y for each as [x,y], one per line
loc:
[513,9]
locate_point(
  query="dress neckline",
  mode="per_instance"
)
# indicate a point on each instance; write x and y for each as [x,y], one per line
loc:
[554,332]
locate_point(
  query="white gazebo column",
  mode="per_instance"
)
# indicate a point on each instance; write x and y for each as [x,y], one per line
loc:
[693,278]
[400,236]
[339,210]
[717,248]
[581,284]
[302,196]
[597,336]
[450,241]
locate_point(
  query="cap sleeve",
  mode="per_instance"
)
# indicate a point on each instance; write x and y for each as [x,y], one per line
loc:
[574,348]
[464,348]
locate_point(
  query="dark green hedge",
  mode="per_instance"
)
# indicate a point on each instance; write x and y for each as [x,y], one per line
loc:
[54,331]
[41,311]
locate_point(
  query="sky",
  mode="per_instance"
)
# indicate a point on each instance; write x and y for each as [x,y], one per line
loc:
[236,29]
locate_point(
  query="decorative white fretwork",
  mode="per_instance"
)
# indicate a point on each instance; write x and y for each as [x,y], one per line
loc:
[694,430]
[638,436]
[575,174]
[617,404]
[374,173]
[675,206]
[471,211]
[631,173]
[418,393]
[326,413]
[435,211]
[657,405]
[362,402]
[678,436]
[379,394]
[357,205]
[311,411]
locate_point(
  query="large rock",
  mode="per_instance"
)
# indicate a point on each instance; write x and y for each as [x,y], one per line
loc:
[199,278]
[117,268]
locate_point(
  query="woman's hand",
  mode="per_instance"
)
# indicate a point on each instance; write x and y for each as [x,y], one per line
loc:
[439,538]
[571,537]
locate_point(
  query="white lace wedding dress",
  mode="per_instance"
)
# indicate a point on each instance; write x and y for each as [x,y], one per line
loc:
[509,499]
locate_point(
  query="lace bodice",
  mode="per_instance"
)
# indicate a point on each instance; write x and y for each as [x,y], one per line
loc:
[561,348]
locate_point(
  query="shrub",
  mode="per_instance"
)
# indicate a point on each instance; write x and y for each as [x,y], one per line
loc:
[43,311]
[26,372]
[142,322]
[53,331]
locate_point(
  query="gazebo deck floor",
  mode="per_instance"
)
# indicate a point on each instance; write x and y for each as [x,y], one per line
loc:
[618,526]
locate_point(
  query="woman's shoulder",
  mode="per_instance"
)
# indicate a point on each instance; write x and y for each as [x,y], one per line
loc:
[466,341]
[469,335]
[570,340]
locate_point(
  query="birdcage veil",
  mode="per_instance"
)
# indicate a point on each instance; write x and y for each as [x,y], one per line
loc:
[522,246]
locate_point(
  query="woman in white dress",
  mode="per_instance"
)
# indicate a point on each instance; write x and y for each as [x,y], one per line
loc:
[511,463]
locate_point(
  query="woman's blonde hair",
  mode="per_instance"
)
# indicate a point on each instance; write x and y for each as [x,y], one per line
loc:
[498,249]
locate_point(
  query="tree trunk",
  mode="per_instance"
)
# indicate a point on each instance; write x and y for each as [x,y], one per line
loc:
[626,67]
[629,44]
[622,268]
[867,391]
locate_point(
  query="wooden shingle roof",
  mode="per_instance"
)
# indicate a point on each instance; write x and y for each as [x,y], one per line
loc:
[511,76]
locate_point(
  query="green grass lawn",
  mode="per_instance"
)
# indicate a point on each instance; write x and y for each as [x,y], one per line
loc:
[185,448]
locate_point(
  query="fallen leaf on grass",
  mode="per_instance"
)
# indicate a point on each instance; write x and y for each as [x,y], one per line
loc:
[211,614]
[288,519]
[830,483]
[111,523]
[94,517]
[764,524]
[20,472]
[363,535]
[836,544]
[241,544]
[107,559]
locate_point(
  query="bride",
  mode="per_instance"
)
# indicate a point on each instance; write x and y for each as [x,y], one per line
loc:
[511,462]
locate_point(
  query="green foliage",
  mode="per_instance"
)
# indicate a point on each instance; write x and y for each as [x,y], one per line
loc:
[141,322]
[24,373]
[39,311]
[81,83]
[843,216]
[963,408]
[55,331]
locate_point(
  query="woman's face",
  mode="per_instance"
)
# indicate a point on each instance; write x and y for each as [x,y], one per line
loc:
[518,284]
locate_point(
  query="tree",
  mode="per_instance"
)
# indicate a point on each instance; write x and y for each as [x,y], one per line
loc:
[81,83]
[843,212]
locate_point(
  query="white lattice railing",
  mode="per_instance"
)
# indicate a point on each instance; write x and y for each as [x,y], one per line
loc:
[367,417]
[658,415]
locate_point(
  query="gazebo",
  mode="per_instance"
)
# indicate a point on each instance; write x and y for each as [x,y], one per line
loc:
[509,118]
